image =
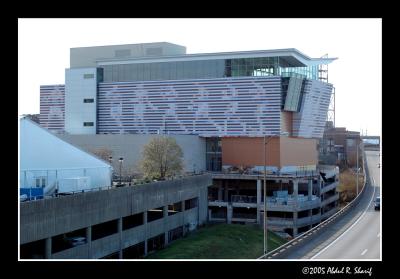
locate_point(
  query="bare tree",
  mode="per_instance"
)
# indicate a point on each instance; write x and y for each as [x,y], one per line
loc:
[162,157]
[103,153]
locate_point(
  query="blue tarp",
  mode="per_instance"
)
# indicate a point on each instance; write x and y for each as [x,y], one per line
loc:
[32,192]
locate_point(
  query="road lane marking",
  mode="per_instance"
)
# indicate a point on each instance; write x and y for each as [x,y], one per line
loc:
[340,236]
[365,251]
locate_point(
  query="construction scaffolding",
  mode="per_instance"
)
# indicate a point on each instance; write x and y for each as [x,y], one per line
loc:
[323,76]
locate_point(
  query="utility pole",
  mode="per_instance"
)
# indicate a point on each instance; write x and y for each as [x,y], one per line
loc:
[265,198]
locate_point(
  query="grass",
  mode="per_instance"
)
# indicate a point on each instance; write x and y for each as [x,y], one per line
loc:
[220,241]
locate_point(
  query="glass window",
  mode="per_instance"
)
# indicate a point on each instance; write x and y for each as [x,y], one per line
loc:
[164,70]
[115,73]
[87,76]
[180,70]
[172,70]
[140,69]
[146,72]
[88,124]
[88,100]
[107,73]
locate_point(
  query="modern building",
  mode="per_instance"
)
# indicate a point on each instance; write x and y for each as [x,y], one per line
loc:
[339,146]
[231,100]
[49,165]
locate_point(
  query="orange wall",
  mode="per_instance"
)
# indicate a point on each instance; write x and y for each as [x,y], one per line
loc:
[284,151]
[298,151]
[245,151]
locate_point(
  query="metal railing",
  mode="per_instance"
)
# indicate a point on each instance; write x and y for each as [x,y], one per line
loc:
[57,195]
[294,243]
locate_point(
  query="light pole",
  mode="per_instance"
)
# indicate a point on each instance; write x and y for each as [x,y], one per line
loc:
[112,176]
[357,168]
[265,190]
[120,170]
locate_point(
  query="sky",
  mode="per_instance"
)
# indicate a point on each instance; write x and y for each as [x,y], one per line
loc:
[44,45]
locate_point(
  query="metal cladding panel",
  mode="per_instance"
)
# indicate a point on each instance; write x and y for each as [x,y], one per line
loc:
[310,121]
[52,107]
[206,107]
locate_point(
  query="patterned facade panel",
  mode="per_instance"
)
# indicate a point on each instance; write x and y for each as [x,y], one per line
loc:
[310,121]
[52,107]
[206,107]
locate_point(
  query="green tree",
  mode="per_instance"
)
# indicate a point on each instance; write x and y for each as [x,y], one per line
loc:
[162,157]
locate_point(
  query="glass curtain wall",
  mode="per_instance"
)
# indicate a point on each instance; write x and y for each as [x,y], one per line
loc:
[310,72]
[213,154]
[175,70]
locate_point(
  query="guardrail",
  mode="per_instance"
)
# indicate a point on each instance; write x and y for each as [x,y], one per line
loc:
[299,240]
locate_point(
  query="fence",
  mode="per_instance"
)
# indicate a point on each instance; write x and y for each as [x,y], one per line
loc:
[51,181]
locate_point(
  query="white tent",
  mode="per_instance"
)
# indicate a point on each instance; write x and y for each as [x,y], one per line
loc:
[48,162]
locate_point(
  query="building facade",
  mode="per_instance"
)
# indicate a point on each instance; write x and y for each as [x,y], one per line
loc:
[232,100]
[339,146]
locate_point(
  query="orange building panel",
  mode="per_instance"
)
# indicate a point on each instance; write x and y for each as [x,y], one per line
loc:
[283,151]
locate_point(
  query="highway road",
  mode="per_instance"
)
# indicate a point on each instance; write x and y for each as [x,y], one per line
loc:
[362,240]
[357,234]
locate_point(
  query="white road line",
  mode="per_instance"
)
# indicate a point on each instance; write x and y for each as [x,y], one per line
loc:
[340,236]
[365,251]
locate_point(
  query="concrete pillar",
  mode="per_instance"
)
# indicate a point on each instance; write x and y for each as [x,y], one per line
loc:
[295,191]
[226,197]
[229,214]
[259,205]
[209,215]
[165,215]
[47,250]
[320,186]
[295,188]
[145,225]
[310,184]
[120,237]
[89,241]
[295,223]
[183,216]
[220,192]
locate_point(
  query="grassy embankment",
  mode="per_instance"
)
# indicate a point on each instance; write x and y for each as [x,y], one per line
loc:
[220,241]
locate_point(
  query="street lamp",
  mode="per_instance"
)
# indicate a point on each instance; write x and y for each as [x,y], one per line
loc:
[265,189]
[358,169]
[120,170]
